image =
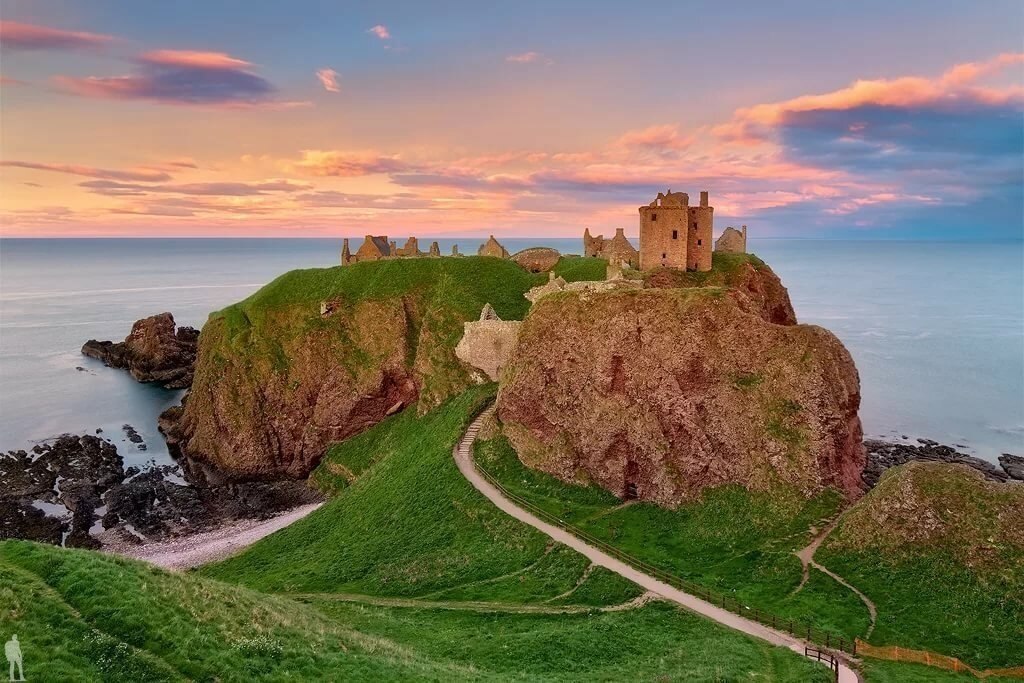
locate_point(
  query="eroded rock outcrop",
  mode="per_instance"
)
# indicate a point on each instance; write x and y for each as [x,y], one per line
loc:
[272,408]
[754,286]
[660,393]
[155,351]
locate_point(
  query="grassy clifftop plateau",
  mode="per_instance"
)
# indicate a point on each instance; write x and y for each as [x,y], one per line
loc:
[321,354]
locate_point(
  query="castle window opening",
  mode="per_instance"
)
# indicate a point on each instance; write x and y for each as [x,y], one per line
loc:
[675,234]
[698,243]
[664,255]
[654,217]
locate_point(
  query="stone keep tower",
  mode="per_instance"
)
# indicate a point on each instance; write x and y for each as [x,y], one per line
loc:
[676,235]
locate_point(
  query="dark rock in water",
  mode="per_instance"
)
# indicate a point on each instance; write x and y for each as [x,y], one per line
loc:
[154,351]
[1013,465]
[882,455]
[55,494]
[132,435]
[71,471]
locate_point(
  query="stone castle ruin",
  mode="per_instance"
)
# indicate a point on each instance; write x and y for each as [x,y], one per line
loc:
[732,241]
[377,248]
[674,234]
[487,343]
[616,249]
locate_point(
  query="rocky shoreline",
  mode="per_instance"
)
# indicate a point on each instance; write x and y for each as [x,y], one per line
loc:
[885,454]
[75,491]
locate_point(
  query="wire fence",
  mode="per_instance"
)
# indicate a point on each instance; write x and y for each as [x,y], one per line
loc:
[794,627]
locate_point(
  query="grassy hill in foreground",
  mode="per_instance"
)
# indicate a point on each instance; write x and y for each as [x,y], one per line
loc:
[408,525]
[82,616]
[941,552]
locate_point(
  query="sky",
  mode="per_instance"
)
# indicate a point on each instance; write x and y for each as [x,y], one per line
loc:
[306,118]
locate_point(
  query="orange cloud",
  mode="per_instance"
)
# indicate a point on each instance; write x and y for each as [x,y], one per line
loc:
[348,164]
[660,137]
[92,172]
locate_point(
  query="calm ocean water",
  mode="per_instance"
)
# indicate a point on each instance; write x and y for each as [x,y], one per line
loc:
[936,329]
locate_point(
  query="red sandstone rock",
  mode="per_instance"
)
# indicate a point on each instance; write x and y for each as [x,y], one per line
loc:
[661,393]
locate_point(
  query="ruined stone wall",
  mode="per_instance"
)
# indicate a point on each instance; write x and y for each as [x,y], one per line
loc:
[663,231]
[732,241]
[700,237]
[488,345]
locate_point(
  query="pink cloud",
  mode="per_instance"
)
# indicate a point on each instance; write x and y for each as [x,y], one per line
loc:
[954,85]
[381,31]
[185,77]
[92,172]
[193,59]
[18,36]
[528,58]
[329,79]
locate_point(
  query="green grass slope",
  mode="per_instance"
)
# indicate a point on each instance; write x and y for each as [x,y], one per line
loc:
[941,553]
[411,525]
[732,541]
[82,616]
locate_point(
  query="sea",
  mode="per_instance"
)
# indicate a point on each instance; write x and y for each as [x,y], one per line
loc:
[936,328]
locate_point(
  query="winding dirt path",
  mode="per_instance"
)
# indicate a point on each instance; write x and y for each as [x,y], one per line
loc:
[474,605]
[209,546]
[806,556]
[463,453]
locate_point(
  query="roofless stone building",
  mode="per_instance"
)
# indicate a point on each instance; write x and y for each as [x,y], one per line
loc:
[674,234]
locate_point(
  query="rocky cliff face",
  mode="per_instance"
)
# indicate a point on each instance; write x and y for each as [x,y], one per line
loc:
[322,354]
[754,286]
[660,393]
[155,351]
[272,409]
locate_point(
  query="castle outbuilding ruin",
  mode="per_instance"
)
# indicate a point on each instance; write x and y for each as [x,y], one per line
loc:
[377,247]
[492,247]
[674,234]
[616,249]
[732,241]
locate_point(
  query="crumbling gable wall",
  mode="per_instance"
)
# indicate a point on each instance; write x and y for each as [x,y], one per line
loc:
[732,241]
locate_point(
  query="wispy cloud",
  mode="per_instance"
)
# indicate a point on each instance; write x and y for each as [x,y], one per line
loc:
[348,164]
[329,79]
[139,174]
[529,58]
[18,36]
[381,31]
[221,189]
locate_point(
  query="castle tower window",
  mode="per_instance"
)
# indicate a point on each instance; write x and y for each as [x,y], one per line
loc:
[675,234]
[654,217]
[698,243]
[695,225]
